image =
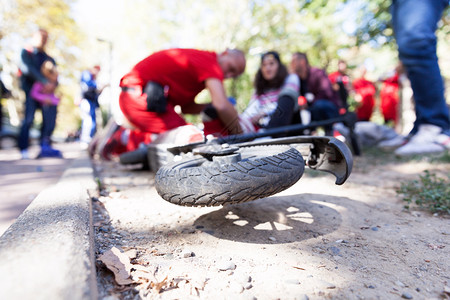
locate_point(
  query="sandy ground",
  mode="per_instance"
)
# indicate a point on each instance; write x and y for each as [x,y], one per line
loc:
[315,240]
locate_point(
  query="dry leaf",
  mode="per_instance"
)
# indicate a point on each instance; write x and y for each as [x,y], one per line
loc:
[197,285]
[119,264]
[141,272]
[158,286]
[142,275]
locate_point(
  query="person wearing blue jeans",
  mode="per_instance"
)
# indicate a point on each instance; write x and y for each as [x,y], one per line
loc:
[89,103]
[315,85]
[415,23]
[30,67]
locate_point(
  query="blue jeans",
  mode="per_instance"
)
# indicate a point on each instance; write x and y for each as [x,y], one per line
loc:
[48,122]
[88,117]
[322,110]
[415,23]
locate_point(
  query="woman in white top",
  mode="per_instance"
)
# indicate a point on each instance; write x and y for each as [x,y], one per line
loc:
[273,103]
[275,98]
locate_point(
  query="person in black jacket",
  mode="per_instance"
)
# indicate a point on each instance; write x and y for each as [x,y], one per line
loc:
[4,93]
[31,61]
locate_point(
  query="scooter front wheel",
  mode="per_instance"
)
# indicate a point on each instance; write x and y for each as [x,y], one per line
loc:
[251,173]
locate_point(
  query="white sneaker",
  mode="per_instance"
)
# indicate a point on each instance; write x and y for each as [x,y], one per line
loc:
[444,140]
[429,139]
[394,143]
[24,153]
[84,145]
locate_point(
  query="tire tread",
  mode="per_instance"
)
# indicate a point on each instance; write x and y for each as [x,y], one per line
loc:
[214,184]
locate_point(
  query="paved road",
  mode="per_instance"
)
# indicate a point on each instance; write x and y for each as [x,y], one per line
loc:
[22,180]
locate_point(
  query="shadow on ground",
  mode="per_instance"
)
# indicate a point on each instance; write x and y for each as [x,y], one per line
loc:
[276,219]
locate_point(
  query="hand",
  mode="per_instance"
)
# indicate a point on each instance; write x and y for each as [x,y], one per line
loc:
[335,86]
[309,97]
[48,88]
[226,111]
[255,119]
[103,87]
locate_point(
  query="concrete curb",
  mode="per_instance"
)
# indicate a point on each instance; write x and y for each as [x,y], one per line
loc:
[48,253]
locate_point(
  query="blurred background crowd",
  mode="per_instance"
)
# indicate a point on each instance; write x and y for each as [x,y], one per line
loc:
[114,35]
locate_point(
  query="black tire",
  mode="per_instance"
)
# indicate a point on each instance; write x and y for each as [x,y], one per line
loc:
[133,157]
[138,156]
[262,172]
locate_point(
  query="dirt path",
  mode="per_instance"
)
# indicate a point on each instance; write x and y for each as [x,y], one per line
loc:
[315,240]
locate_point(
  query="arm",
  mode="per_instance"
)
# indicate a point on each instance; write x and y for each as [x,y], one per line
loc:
[88,82]
[253,112]
[88,86]
[29,69]
[325,86]
[287,103]
[37,93]
[193,108]
[284,112]
[100,90]
[227,113]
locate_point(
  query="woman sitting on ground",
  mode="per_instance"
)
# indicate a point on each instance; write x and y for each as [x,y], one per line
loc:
[272,104]
[275,98]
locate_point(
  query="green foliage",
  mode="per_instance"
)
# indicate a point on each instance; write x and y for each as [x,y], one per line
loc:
[429,192]
[374,21]
[324,36]
[444,158]
[22,18]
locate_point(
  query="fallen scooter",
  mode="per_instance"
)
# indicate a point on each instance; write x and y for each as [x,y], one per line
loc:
[241,168]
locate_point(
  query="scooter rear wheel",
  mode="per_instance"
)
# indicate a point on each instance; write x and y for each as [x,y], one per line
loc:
[260,172]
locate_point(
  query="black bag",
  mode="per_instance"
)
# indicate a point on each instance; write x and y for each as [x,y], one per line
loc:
[90,94]
[156,98]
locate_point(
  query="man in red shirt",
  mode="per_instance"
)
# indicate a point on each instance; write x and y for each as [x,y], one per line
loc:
[390,96]
[183,73]
[364,95]
[341,81]
[174,77]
